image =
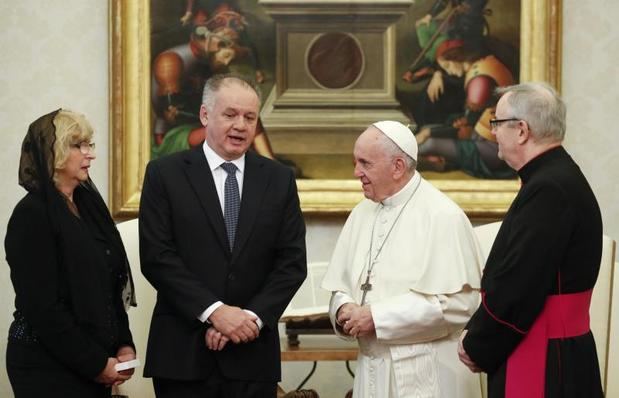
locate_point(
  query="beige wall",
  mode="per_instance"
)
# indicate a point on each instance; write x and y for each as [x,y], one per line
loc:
[54,54]
[591,91]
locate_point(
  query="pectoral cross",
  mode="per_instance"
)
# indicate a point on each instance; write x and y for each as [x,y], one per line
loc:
[366,287]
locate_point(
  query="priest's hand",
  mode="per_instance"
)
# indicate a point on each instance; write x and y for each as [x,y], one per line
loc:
[464,357]
[234,323]
[215,340]
[360,323]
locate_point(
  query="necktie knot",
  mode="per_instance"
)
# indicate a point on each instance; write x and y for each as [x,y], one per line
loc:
[228,167]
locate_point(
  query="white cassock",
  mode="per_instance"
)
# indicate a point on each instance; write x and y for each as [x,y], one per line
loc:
[425,286]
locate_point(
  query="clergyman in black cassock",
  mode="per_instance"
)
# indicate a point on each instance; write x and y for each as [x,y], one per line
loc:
[531,333]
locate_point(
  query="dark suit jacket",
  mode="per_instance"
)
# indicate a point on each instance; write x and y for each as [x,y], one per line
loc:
[184,254]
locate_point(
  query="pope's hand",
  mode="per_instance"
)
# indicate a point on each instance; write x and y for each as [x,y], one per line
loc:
[360,323]
[344,313]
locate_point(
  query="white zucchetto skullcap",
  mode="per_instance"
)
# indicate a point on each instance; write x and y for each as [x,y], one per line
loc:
[401,135]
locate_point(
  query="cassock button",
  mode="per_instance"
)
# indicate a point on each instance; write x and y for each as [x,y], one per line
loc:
[108,252]
[231,277]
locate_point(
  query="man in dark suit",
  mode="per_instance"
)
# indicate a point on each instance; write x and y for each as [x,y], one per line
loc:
[222,239]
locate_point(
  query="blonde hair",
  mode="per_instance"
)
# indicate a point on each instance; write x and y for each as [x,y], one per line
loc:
[71,128]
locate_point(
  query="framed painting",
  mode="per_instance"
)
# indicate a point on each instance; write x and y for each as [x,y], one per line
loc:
[385,54]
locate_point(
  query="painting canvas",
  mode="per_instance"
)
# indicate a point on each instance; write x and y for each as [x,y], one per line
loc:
[448,58]
[191,40]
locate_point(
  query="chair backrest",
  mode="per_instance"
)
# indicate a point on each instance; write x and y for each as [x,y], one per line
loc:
[612,357]
[604,323]
[139,317]
[485,236]
[604,310]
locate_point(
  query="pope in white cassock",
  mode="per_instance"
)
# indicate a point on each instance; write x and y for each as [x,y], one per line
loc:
[405,275]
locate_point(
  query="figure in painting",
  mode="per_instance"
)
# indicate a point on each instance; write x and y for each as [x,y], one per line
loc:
[460,59]
[464,140]
[465,21]
[218,38]
[229,9]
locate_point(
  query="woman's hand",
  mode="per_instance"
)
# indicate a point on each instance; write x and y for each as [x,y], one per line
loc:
[124,354]
[108,375]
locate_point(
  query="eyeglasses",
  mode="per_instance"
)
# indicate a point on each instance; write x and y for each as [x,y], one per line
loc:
[85,147]
[495,123]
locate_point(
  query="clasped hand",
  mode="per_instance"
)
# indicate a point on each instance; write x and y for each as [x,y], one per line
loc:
[464,357]
[356,320]
[230,324]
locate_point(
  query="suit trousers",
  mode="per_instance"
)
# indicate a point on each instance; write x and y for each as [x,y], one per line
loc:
[216,386]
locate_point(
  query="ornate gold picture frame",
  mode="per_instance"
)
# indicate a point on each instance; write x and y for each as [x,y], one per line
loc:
[130,115]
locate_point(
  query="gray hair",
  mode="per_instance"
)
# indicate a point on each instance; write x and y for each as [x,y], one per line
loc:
[540,106]
[216,82]
[393,151]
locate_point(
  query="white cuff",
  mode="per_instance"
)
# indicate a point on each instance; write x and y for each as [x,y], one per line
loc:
[338,299]
[203,317]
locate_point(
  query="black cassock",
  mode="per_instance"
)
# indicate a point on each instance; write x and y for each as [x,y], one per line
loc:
[550,243]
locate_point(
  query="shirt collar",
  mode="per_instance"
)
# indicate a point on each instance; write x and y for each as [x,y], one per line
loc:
[400,197]
[215,161]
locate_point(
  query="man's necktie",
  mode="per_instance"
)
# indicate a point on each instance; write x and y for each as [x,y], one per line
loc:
[232,201]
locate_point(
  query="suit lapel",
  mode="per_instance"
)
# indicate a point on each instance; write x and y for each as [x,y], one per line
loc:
[201,179]
[255,181]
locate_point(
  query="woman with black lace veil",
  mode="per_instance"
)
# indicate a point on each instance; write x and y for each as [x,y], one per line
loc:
[69,270]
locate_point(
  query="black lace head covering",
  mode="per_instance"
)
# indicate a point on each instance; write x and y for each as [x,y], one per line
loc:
[75,248]
[36,165]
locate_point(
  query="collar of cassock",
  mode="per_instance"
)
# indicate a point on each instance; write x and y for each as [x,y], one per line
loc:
[400,197]
[536,164]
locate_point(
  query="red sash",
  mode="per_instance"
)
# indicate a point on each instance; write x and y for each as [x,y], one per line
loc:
[565,315]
